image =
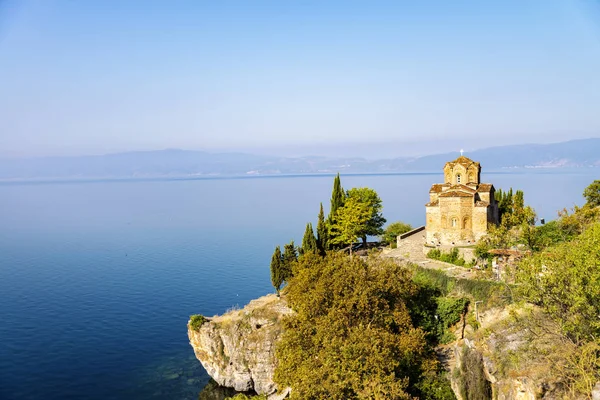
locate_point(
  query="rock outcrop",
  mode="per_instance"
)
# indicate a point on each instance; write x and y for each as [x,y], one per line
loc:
[237,349]
[495,363]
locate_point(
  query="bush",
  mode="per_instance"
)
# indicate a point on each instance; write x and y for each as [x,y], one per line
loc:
[451,257]
[393,230]
[351,335]
[491,293]
[196,321]
[242,396]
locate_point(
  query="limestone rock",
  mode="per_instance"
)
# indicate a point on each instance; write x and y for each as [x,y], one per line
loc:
[237,349]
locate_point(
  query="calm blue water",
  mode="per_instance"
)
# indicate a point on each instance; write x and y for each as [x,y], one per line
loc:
[98,279]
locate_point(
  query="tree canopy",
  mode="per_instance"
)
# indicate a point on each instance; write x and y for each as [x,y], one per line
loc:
[393,230]
[565,281]
[370,198]
[288,258]
[351,336]
[322,235]
[277,274]
[349,222]
[337,197]
[309,242]
[592,194]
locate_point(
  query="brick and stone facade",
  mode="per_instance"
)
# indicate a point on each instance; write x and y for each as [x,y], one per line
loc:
[460,209]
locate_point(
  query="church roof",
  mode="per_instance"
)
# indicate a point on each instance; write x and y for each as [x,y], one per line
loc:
[432,204]
[463,188]
[484,187]
[462,160]
[456,193]
[437,187]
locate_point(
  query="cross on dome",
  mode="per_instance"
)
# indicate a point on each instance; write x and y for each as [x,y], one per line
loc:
[461,152]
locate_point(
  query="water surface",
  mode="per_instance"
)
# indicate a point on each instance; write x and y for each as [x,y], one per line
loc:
[98,279]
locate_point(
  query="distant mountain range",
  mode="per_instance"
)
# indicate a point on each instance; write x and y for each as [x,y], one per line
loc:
[183,163]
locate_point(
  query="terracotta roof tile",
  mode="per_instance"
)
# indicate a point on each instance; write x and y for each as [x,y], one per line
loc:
[455,193]
[484,187]
[436,188]
[462,160]
[463,188]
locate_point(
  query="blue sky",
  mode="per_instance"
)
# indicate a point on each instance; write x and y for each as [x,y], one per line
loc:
[379,77]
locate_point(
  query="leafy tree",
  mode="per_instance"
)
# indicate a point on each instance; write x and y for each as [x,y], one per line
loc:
[565,281]
[592,194]
[288,258]
[349,222]
[370,198]
[337,197]
[322,235]
[277,273]
[393,230]
[512,209]
[309,242]
[351,336]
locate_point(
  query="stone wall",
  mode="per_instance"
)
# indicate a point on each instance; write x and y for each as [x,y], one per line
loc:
[452,222]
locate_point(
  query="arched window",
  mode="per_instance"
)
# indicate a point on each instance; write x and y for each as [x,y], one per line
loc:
[457,178]
[454,222]
[466,223]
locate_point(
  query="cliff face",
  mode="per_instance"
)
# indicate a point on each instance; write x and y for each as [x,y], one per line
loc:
[502,361]
[237,349]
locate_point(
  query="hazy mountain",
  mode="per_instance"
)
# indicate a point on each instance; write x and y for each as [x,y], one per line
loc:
[182,163]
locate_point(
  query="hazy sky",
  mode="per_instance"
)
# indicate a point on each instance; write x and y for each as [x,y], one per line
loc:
[89,77]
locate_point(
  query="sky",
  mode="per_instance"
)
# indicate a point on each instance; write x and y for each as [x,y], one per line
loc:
[371,78]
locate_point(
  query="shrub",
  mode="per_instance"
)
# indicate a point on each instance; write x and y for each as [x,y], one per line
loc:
[196,321]
[451,257]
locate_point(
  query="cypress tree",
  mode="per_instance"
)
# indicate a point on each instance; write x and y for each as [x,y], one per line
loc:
[277,276]
[322,235]
[309,242]
[337,197]
[288,258]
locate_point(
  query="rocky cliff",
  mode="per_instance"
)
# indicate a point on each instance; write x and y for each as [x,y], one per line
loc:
[505,360]
[237,349]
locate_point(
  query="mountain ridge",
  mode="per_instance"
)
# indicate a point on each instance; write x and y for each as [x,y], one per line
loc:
[580,153]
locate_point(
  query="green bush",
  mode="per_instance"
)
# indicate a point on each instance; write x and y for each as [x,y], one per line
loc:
[491,293]
[196,321]
[451,257]
[242,396]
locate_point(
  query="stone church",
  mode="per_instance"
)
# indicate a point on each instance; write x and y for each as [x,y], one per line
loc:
[460,209]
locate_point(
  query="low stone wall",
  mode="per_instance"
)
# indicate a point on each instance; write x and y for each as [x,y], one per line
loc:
[409,233]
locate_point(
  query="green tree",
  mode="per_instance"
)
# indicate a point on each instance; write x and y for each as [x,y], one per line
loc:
[322,235]
[309,242]
[277,273]
[351,336]
[592,194]
[349,222]
[393,230]
[337,197]
[288,258]
[374,225]
[565,281]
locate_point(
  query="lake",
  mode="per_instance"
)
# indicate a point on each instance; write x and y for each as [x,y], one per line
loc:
[98,279]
